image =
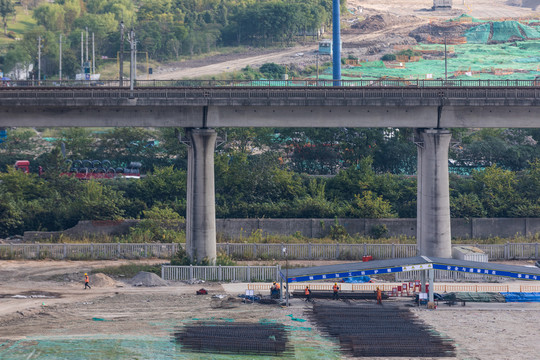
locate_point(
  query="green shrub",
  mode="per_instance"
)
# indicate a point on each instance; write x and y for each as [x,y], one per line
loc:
[388,57]
[338,232]
[379,231]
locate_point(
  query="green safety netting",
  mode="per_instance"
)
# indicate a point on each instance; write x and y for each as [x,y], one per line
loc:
[465,16]
[500,32]
[478,34]
[529,45]
[480,59]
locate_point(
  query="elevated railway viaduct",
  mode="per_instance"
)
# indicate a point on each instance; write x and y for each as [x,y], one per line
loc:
[430,107]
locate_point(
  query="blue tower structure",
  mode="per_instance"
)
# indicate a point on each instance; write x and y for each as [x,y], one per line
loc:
[336,42]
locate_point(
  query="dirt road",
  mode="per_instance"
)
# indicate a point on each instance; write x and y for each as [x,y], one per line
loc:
[291,55]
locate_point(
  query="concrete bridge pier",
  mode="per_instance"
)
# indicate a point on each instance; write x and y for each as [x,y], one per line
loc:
[433,198]
[201,205]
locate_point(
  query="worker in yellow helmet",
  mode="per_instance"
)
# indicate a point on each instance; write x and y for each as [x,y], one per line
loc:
[86,281]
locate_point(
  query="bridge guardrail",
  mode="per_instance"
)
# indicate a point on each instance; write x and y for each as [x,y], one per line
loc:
[112,83]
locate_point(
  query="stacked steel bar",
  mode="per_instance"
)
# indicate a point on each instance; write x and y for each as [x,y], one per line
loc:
[325,294]
[235,338]
[374,330]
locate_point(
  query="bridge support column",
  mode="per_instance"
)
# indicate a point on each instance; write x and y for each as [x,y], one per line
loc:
[201,205]
[433,198]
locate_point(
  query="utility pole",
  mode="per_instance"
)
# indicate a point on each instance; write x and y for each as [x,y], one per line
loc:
[93,55]
[60,65]
[131,40]
[121,53]
[445,62]
[317,67]
[86,44]
[82,52]
[39,60]
[134,58]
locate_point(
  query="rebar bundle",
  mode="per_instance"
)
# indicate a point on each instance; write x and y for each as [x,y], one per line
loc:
[235,338]
[366,330]
[328,294]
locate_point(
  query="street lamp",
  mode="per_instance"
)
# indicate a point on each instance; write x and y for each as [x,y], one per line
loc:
[284,250]
[445,59]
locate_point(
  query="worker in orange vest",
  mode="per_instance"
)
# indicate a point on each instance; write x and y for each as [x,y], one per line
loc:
[86,281]
[307,292]
[275,291]
[336,292]
[379,296]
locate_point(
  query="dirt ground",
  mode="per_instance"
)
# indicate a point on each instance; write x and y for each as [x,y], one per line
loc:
[362,37]
[51,316]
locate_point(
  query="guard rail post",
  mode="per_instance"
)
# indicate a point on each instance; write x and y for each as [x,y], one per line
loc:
[190,272]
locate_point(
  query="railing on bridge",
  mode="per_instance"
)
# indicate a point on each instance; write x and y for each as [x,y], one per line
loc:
[506,83]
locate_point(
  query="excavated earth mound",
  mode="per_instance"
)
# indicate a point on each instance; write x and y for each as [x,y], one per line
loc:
[437,31]
[147,279]
[102,280]
[381,21]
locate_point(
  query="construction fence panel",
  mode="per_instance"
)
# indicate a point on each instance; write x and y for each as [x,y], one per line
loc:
[336,251]
[220,273]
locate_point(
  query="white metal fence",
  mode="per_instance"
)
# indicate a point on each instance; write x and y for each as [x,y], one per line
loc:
[221,273]
[87,251]
[509,251]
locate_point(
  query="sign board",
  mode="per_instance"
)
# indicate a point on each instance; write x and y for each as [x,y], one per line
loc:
[417,267]
[480,271]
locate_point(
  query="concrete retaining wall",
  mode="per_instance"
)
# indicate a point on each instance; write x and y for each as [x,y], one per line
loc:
[237,228]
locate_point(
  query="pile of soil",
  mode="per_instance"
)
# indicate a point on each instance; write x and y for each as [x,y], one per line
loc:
[381,21]
[102,280]
[145,278]
[438,30]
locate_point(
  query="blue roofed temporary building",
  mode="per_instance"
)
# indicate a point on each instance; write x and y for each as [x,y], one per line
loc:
[392,266]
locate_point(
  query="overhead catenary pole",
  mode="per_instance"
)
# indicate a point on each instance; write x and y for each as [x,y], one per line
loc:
[86,44]
[60,64]
[82,52]
[93,55]
[336,44]
[132,58]
[445,62]
[121,75]
[39,60]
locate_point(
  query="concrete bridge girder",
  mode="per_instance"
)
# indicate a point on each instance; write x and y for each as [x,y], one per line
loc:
[390,115]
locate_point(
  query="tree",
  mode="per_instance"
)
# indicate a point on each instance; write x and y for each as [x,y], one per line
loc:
[7,8]
[51,16]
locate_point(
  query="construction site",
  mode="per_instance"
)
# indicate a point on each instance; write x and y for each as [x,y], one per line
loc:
[46,314]
[318,312]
